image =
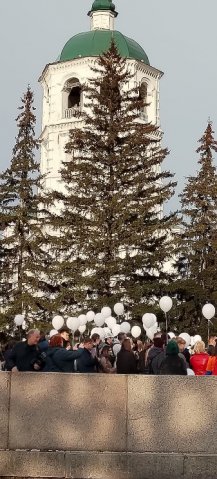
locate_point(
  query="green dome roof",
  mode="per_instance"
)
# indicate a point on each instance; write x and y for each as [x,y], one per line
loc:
[103,5]
[94,43]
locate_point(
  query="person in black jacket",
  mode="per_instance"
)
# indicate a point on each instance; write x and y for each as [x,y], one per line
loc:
[7,353]
[156,355]
[86,363]
[173,363]
[25,356]
[58,359]
[126,361]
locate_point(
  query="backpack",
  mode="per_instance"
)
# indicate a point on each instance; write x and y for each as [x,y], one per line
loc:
[154,364]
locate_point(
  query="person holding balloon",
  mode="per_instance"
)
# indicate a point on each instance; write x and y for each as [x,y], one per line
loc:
[58,359]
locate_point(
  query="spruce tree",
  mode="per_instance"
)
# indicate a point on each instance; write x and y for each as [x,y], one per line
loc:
[22,243]
[113,231]
[198,243]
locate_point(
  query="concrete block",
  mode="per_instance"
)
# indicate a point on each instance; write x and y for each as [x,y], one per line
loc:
[123,466]
[32,464]
[4,408]
[157,466]
[83,465]
[70,412]
[172,414]
[200,466]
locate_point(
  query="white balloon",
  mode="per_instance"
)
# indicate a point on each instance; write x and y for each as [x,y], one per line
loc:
[165,304]
[125,327]
[82,319]
[148,320]
[53,332]
[107,330]
[57,322]
[171,335]
[90,316]
[19,319]
[208,311]
[94,331]
[101,332]
[151,331]
[111,322]
[119,308]
[68,323]
[99,320]
[82,328]
[136,331]
[187,338]
[106,312]
[116,329]
[73,323]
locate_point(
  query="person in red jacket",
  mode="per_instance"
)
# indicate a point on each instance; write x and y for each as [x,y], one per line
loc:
[199,359]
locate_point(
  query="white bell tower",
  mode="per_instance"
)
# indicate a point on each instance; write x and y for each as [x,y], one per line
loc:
[62,83]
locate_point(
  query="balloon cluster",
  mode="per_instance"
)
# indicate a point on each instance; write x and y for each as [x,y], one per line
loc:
[103,322]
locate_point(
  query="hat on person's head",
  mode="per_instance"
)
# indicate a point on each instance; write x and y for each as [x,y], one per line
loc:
[172,348]
[108,335]
[158,342]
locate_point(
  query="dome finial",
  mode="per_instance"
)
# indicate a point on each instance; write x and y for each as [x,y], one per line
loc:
[102,15]
[103,5]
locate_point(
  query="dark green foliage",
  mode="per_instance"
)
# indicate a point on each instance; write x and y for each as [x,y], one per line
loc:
[23,258]
[198,241]
[113,232]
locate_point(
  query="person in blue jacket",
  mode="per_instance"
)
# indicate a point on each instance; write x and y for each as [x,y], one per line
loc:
[86,363]
[58,359]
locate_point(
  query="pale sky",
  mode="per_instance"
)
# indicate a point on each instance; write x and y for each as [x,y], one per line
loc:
[179,37]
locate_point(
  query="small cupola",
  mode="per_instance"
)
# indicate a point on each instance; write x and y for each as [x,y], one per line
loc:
[102,15]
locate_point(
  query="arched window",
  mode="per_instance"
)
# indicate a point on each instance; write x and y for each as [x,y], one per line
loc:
[143,94]
[72,97]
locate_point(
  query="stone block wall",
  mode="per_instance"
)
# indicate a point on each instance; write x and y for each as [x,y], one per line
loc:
[107,427]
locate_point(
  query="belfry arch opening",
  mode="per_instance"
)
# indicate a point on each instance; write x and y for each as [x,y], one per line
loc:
[72,97]
[143,95]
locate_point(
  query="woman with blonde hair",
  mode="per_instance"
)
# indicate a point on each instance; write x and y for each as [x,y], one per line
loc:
[199,359]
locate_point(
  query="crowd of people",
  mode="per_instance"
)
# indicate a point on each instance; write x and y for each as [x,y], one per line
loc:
[112,355]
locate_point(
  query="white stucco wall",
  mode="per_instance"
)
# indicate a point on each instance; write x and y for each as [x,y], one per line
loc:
[55,127]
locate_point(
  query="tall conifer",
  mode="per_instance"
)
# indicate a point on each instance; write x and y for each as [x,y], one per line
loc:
[24,259]
[113,231]
[199,236]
